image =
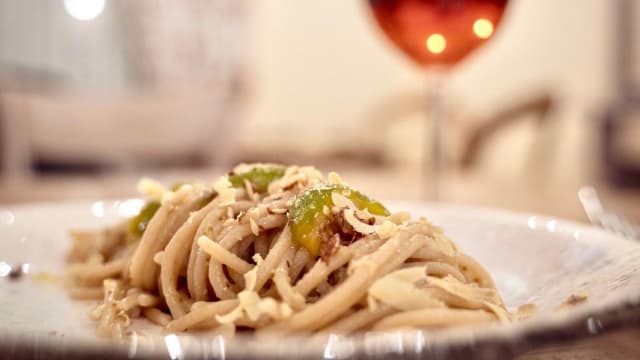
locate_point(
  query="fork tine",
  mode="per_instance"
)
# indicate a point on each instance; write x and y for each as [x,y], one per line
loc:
[606,219]
[628,228]
[591,205]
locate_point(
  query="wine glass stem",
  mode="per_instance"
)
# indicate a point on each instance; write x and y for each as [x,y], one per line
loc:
[434,129]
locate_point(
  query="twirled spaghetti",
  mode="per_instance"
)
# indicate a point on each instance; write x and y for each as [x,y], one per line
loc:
[279,249]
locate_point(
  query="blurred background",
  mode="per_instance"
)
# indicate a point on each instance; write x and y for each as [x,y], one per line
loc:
[95,93]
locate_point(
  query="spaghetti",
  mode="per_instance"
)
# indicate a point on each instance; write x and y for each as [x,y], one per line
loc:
[278,249]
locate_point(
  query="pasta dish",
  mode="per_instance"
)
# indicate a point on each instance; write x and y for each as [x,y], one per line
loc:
[276,249]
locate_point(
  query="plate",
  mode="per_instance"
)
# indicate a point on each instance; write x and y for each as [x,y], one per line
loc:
[533,258]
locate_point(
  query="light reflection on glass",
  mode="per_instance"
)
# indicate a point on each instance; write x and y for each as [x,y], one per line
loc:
[5,269]
[223,351]
[483,28]
[338,347]
[436,43]
[25,268]
[514,285]
[328,351]
[133,345]
[84,9]
[591,326]
[7,217]
[372,342]
[129,208]
[551,225]
[531,222]
[173,346]
[419,342]
[397,343]
[577,234]
[97,209]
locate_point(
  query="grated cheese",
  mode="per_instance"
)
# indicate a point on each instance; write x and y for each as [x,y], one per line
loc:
[255,229]
[443,245]
[151,188]
[311,173]
[341,201]
[363,262]
[251,276]
[358,225]
[386,230]
[249,188]
[326,210]
[226,192]
[334,179]
[255,212]
[400,217]
[230,317]
[295,175]
[253,307]
[287,181]
[249,301]
[178,195]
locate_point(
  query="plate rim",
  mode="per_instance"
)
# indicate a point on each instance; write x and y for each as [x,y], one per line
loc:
[618,312]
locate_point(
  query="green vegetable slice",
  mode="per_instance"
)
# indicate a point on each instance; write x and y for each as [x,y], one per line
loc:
[139,223]
[309,223]
[177,185]
[259,177]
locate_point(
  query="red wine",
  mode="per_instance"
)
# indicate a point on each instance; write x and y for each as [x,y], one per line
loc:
[438,32]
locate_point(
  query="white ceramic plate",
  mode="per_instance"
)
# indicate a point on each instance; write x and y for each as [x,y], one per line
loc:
[532,258]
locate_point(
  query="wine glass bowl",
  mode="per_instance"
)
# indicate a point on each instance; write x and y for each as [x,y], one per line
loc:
[438,32]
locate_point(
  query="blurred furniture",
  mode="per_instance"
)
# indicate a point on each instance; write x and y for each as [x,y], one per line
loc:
[467,135]
[621,120]
[177,70]
[120,132]
[14,151]
[540,105]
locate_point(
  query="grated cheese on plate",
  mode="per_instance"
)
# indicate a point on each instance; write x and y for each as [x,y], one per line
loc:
[334,179]
[255,229]
[400,217]
[386,230]
[225,190]
[251,276]
[151,189]
[358,225]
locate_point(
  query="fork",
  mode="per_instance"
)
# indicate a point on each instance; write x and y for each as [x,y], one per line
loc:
[607,219]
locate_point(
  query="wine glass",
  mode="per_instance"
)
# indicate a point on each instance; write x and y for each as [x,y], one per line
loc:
[437,34]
